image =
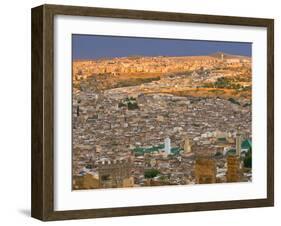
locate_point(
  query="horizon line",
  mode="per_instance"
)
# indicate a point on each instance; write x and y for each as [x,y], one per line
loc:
[148,56]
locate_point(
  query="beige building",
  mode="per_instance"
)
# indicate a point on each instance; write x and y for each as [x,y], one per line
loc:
[115,174]
[87,181]
[187,145]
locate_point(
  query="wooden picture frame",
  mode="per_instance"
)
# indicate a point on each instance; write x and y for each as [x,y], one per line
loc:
[42,203]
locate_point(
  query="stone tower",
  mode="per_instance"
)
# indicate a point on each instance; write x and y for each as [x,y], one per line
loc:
[205,171]
[233,168]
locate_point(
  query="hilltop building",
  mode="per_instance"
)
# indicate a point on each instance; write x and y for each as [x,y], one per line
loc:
[222,57]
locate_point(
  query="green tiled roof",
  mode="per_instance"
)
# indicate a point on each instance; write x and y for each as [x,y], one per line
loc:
[246,144]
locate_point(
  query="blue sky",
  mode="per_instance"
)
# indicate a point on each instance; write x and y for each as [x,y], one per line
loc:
[98,46]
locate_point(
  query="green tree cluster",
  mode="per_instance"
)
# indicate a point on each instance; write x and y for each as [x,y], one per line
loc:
[151,173]
[248,159]
[130,103]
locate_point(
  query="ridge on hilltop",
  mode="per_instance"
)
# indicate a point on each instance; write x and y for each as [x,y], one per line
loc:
[219,74]
[228,56]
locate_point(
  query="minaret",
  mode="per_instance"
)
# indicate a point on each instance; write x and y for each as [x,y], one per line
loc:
[187,146]
[167,143]
[238,143]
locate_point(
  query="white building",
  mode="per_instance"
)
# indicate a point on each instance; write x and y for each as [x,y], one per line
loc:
[167,147]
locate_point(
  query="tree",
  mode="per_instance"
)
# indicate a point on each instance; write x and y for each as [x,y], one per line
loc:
[129,102]
[248,159]
[233,101]
[132,105]
[151,173]
[218,154]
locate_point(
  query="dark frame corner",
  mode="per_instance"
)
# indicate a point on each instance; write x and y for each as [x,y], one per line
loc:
[42,202]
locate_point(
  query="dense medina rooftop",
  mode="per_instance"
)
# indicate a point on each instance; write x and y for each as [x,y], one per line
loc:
[125,108]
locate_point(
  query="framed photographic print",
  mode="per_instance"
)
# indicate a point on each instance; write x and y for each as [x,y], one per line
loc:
[141,112]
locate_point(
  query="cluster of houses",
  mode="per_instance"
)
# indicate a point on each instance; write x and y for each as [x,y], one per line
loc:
[164,139]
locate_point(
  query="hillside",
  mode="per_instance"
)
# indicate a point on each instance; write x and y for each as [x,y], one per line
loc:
[219,74]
